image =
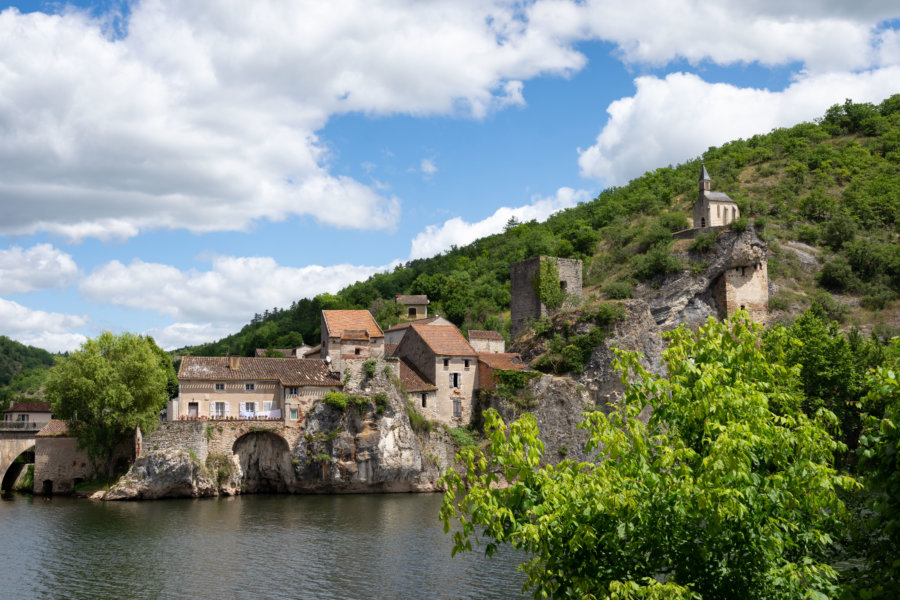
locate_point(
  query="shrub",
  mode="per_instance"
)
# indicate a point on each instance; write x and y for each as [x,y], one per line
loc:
[220,467]
[369,367]
[808,234]
[704,242]
[335,400]
[419,423]
[381,402]
[877,297]
[608,312]
[360,403]
[462,437]
[387,371]
[836,275]
[657,261]
[739,225]
[617,290]
[828,307]
[759,223]
[838,231]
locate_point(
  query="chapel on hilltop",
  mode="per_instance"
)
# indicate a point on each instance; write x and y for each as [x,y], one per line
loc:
[713,209]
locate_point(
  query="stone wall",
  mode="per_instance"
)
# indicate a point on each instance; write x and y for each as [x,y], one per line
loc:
[746,288]
[178,435]
[524,303]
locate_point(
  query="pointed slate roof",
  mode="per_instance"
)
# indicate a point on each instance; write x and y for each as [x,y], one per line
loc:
[703,174]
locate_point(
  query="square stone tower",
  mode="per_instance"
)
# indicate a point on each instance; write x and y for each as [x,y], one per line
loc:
[524,303]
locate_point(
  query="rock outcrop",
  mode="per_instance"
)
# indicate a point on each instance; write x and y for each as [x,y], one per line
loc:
[690,297]
[369,446]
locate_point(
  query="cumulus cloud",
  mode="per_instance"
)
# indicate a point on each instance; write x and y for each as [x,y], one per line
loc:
[203,116]
[458,232]
[49,330]
[226,296]
[179,335]
[675,118]
[37,268]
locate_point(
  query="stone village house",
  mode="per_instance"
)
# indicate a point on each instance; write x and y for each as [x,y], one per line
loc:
[232,387]
[414,306]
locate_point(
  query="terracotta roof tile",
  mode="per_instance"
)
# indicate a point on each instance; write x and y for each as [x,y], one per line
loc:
[478,334]
[338,321]
[289,371]
[412,379]
[55,428]
[29,407]
[408,324]
[500,361]
[445,340]
[355,335]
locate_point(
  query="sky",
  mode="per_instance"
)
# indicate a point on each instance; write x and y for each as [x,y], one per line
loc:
[172,168]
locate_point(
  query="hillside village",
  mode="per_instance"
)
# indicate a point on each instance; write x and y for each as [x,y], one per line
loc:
[440,375]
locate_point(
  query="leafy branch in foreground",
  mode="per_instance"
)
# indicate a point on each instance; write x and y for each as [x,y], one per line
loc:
[727,491]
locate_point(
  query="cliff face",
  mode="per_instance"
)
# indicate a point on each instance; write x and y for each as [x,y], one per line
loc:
[367,447]
[691,296]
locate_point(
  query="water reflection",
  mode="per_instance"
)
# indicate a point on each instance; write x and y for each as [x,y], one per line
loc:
[348,547]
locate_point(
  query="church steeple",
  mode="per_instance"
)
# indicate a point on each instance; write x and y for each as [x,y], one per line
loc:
[704,179]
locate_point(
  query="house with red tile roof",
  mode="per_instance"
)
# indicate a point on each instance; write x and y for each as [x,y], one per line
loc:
[26,415]
[349,335]
[396,333]
[235,387]
[440,358]
[491,362]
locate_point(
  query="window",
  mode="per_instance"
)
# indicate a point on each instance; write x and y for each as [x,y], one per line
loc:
[455,380]
[424,400]
[718,210]
[268,405]
[446,363]
[703,222]
[356,351]
[249,386]
[293,390]
[219,410]
[466,364]
[457,407]
[22,418]
[250,407]
[563,285]
[412,311]
[192,409]
[295,414]
[220,387]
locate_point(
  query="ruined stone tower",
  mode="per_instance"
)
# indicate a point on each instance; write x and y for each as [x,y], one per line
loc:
[524,303]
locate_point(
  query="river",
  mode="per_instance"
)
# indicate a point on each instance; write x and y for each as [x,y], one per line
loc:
[255,546]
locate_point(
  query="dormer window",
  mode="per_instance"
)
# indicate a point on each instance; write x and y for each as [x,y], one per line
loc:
[249,387]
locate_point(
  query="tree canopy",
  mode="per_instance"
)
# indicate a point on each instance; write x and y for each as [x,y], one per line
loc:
[727,490]
[110,386]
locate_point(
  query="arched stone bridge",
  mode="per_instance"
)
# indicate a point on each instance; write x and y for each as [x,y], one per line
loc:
[14,442]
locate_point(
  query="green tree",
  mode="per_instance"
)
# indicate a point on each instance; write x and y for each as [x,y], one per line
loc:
[727,490]
[112,385]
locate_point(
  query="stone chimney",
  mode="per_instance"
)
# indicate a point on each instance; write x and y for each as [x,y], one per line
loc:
[234,362]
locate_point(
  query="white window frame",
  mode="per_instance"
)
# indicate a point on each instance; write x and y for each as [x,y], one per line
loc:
[220,387]
[455,380]
[294,413]
[249,387]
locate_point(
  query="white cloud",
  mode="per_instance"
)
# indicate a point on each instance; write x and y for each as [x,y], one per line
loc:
[224,297]
[677,118]
[824,36]
[428,167]
[37,268]
[457,232]
[203,115]
[179,335]
[48,330]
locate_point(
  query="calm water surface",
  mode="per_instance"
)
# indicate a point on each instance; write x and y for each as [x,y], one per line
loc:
[363,546]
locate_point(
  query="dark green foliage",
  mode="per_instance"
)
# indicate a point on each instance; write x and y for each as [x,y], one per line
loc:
[220,467]
[381,403]
[369,367]
[23,369]
[704,242]
[657,261]
[836,275]
[420,424]
[463,437]
[617,290]
[739,225]
[509,382]
[546,286]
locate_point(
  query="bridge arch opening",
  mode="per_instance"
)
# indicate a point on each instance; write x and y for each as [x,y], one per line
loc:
[16,469]
[265,462]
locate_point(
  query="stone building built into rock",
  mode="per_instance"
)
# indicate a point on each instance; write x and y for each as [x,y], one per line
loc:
[713,209]
[486,341]
[396,333]
[524,303]
[744,288]
[235,387]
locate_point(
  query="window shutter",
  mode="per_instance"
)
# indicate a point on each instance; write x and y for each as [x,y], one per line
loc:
[241,409]
[451,379]
[227,407]
[212,409]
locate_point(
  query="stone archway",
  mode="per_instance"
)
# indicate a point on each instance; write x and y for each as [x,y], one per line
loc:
[265,461]
[16,467]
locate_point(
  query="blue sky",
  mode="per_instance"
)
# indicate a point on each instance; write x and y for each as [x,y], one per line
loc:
[173,168]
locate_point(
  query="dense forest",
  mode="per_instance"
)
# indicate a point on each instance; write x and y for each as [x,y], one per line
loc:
[22,370]
[833,185]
